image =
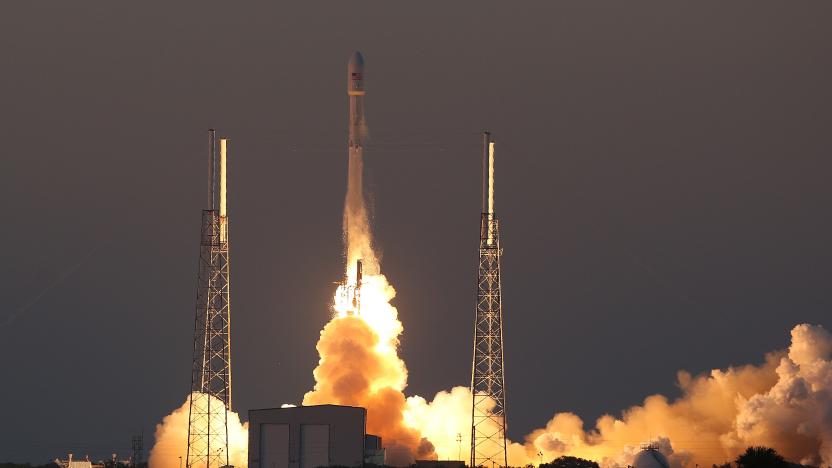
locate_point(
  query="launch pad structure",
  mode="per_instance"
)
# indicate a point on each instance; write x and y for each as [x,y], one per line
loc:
[488,415]
[210,396]
[137,444]
[351,292]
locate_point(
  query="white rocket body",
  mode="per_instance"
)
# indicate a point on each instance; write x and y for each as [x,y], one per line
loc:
[355,90]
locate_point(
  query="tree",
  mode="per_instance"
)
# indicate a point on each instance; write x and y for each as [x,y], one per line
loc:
[570,462]
[761,457]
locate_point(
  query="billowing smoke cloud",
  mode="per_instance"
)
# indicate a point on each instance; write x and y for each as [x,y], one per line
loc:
[359,366]
[172,438]
[784,403]
[795,415]
[444,421]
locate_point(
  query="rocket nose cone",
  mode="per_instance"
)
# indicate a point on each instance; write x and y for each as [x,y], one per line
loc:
[357,61]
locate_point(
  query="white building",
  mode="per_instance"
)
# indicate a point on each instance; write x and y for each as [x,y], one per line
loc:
[73,463]
[650,457]
[310,437]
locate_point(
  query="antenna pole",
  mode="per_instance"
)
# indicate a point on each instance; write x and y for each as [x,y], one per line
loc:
[212,156]
[486,143]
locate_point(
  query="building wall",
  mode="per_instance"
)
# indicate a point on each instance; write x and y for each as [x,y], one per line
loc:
[306,436]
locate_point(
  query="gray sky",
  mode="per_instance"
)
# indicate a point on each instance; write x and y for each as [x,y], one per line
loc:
[662,181]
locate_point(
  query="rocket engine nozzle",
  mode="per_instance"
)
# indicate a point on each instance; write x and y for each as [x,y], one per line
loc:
[356,292]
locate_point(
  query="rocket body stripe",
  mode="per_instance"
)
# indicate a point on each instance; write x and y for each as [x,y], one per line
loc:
[486,145]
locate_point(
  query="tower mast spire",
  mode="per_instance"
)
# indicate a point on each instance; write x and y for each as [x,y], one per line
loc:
[488,413]
[210,396]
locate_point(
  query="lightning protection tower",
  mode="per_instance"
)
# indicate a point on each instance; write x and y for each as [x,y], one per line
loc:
[137,443]
[488,415]
[211,370]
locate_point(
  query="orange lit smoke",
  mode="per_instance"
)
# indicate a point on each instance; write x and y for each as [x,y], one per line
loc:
[784,404]
[359,366]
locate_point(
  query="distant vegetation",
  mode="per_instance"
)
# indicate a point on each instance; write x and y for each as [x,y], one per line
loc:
[761,457]
[570,462]
[106,464]
[27,465]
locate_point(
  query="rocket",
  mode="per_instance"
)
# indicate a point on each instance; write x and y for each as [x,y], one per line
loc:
[355,90]
[355,214]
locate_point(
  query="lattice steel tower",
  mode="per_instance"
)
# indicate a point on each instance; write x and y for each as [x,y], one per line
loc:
[137,443]
[488,415]
[211,370]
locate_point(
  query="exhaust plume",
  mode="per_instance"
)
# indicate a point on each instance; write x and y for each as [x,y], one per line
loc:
[359,363]
[172,438]
[357,233]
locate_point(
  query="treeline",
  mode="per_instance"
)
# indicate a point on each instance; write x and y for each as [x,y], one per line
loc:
[753,457]
[105,463]
[27,465]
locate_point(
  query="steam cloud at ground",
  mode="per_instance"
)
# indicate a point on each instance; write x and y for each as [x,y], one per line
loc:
[172,438]
[784,403]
